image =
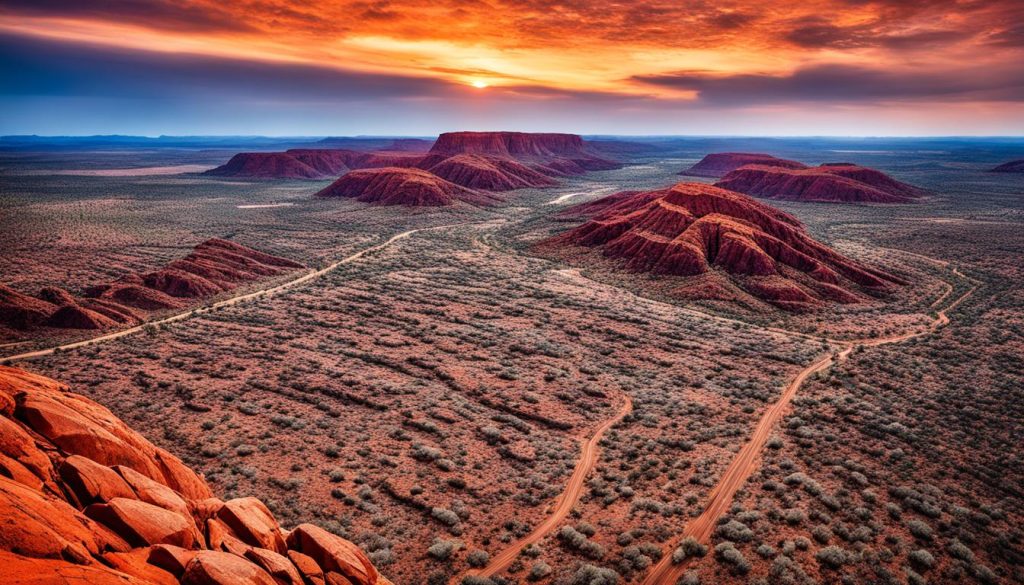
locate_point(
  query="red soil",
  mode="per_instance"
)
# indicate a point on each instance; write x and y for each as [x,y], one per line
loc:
[1014,166]
[85,498]
[691,228]
[213,267]
[832,182]
[721,163]
[402,186]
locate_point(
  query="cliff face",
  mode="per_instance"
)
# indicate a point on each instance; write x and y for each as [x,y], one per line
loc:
[403,186]
[833,182]
[720,163]
[213,267]
[84,498]
[508,144]
[691,229]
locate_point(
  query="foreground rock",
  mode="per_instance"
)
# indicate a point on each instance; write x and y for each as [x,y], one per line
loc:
[409,187]
[721,163]
[121,510]
[214,266]
[830,182]
[728,242]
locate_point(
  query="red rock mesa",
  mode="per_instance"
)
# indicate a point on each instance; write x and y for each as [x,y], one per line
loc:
[720,163]
[830,182]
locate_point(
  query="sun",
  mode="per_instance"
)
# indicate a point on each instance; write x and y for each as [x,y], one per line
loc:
[480,84]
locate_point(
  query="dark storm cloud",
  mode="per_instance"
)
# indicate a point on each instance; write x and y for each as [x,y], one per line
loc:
[40,68]
[848,84]
[161,14]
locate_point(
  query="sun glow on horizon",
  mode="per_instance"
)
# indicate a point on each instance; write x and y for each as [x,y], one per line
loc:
[480,84]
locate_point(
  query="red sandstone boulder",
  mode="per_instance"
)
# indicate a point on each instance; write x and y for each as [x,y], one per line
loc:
[143,524]
[210,567]
[153,492]
[721,163]
[277,565]
[92,483]
[333,553]
[308,567]
[409,187]
[20,459]
[251,521]
[22,570]
[136,563]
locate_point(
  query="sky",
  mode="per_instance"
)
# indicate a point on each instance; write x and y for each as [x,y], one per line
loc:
[420,67]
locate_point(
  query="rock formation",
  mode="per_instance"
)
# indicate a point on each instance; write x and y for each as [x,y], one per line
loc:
[693,229]
[214,266]
[551,154]
[85,499]
[830,182]
[310,163]
[490,173]
[1014,166]
[404,186]
[721,163]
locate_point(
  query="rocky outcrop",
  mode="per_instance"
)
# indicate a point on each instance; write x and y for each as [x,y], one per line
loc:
[830,182]
[1014,166]
[692,229]
[402,186]
[489,173]
[547,153]
[721,163]
[86,499]
[310,163]
[214,266]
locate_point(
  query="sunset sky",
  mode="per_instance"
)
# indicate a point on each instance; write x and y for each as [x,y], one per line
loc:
[290,67]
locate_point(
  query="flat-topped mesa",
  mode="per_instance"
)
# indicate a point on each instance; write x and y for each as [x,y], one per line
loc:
[550,153]
[829,182]
[86,499]
[1014,166]
[214,266]
[693,229]
[721,163]
[309,163]
[404,186]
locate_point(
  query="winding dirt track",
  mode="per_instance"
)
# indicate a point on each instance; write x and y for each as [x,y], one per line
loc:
[748,458]
[225,303]
[565,502]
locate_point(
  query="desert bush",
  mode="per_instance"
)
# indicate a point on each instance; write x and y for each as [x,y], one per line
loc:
[689,547]
[591,575]
[477,558]
[727,553]
[442,550]
[832,557]
[538,571]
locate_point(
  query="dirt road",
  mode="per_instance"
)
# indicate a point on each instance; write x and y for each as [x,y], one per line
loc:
[748,458]
[225,303]
[563,505]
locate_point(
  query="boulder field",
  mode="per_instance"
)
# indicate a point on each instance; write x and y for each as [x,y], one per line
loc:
[85,499]
[213,267]
[694,229]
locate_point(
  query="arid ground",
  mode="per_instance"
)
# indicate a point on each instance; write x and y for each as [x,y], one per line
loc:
[467,409]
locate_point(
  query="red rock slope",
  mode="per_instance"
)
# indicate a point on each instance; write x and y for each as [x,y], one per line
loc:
[309,163]
[213,267]
[401,186]
[85,499]
[1014,166]
[693,229]
[720,163]
[830,182]
[485,172]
